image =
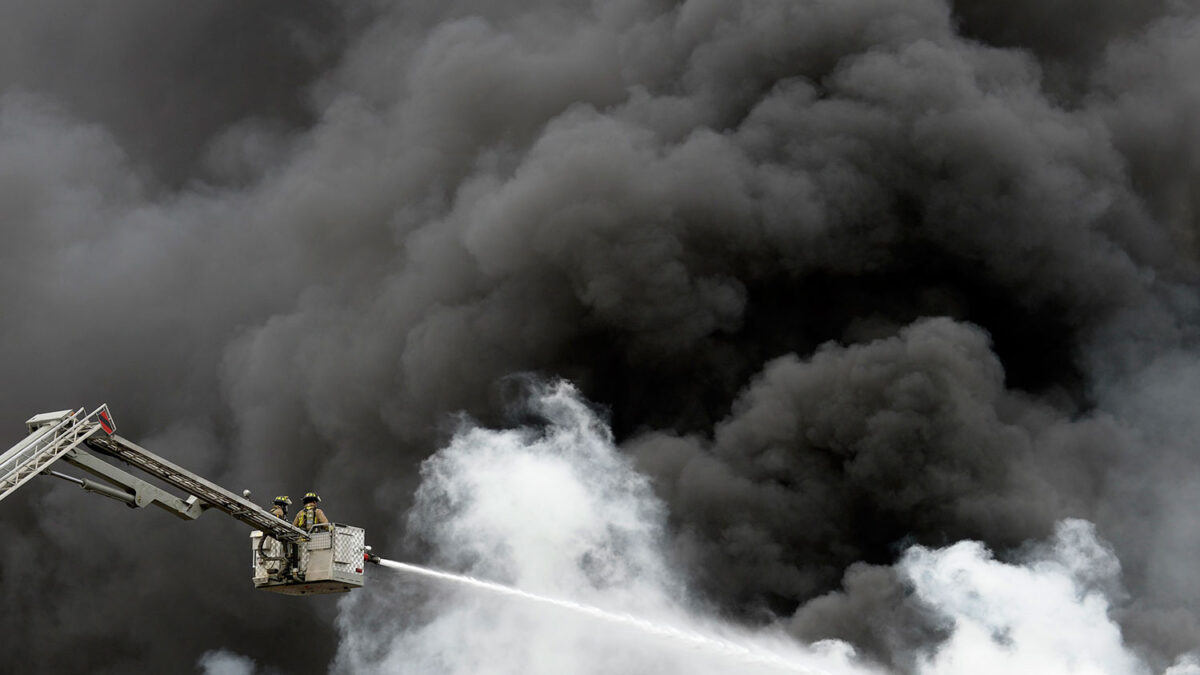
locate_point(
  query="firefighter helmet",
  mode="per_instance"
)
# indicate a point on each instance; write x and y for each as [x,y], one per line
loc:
[283,499]
[312,497]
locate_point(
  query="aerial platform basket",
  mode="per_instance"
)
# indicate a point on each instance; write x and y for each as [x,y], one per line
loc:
[331,561]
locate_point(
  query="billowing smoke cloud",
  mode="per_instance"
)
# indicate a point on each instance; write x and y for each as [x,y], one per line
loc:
[1049,615]
[848,277]
[557,510]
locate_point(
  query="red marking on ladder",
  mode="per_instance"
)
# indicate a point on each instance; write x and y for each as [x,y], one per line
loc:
[106,423]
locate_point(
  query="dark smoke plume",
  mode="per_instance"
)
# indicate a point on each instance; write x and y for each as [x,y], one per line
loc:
[848,276]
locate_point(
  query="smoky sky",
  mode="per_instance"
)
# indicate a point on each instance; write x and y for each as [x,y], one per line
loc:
[844,277]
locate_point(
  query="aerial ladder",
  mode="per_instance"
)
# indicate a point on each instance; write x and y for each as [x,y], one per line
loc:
[285,558]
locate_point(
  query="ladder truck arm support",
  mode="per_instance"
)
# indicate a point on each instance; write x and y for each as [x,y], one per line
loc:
[130,489]
[209,494]
[92,486]
[77,437]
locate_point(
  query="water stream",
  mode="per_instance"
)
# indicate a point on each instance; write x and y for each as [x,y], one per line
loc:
[715,645]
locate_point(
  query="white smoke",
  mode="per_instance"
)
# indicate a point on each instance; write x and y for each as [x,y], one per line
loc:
[1049,615]
[558,511]
[223,662]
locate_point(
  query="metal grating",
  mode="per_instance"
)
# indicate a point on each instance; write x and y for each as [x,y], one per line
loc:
[348,546]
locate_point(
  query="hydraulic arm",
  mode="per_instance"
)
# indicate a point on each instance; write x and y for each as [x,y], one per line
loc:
[70,435]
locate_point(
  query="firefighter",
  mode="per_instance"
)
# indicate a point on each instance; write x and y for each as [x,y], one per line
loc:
[281,506]
[267,545]
[310,515]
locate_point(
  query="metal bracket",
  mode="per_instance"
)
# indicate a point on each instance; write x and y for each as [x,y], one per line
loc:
[140,492]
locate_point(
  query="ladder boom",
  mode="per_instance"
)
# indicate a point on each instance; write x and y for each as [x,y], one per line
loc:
[210,493]
[67,434]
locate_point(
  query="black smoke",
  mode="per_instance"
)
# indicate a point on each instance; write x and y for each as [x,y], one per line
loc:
[848,276]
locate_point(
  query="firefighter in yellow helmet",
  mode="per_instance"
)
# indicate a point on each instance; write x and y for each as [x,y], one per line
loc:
[310,515]
[279,510]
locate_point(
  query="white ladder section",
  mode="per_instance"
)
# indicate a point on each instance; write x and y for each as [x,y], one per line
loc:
[43,446]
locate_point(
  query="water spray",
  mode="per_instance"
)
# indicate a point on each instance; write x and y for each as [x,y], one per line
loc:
[716,645]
